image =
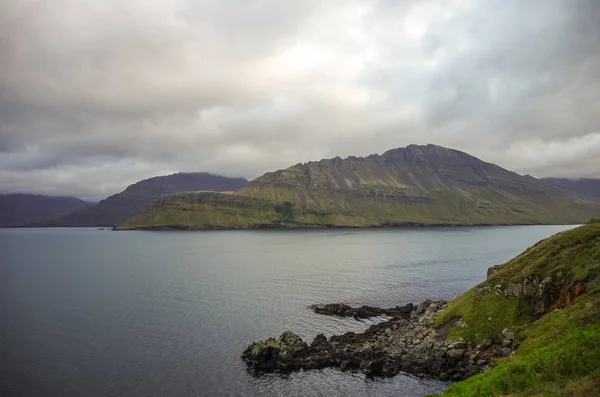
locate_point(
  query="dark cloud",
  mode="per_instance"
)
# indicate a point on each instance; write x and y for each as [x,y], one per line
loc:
[96,95]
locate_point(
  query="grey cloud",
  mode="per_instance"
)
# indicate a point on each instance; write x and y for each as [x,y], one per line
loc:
[97,95]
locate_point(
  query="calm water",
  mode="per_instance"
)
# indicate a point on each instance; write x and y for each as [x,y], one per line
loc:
[85,312]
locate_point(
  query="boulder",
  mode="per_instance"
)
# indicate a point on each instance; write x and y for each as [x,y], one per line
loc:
[508,335]
[485,344]
[285,353]
[456,353]
[505,352]
[422,306]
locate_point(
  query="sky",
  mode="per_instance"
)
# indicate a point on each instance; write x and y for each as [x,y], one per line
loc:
[96,95]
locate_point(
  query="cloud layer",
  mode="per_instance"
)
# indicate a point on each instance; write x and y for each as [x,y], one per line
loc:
[97,95]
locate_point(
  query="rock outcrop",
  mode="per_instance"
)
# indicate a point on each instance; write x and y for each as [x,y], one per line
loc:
[542,295]
[407,342]
[342,310]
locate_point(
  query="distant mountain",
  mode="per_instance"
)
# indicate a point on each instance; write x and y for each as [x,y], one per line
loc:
[428,185]
[117,208]
[21,209]
[582,187]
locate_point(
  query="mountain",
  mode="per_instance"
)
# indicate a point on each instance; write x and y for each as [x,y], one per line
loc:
[413,185]
[21,209]
[583,187]
[117,208]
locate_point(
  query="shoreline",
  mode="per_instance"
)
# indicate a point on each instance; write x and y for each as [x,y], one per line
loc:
[408,225]
[408,342]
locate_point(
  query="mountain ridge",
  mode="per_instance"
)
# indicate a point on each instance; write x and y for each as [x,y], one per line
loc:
[588,188]
[119,207]
[19,209]
[412,185]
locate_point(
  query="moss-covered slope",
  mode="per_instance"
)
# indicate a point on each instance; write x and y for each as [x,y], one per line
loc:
[550,297]
[412,185]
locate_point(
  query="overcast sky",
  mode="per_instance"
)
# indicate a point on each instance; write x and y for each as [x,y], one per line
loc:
[95,95]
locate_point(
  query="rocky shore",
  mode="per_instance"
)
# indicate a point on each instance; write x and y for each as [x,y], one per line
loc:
[407,342]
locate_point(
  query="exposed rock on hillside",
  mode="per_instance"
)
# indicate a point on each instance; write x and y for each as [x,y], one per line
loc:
[551,293]
[542,305]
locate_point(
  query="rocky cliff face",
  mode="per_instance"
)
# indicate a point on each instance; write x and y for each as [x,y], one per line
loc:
[117,208]
[411,175]
[553,292]
[413,185]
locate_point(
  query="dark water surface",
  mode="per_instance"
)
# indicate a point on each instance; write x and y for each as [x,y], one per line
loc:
[85,312]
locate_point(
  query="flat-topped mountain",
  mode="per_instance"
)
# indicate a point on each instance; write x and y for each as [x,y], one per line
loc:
[119,207]
[428,185]
[20,209]
[588,188]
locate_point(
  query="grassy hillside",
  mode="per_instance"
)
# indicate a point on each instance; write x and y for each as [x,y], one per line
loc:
[427,185]
[549,296]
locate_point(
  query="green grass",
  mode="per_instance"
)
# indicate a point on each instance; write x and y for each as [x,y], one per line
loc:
[485,316]
[574,356]
[575,251]
[558,348]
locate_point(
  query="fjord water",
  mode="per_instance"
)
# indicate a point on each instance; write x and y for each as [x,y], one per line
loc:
[87,312]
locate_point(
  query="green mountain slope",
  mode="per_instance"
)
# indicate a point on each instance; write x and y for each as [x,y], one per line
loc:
[549,297]
[413,185]
[119,207]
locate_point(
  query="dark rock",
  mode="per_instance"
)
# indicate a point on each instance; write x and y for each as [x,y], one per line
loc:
[485,344]
[505,352]
[422,306]
[492,270]
[285,353]
[343,310]
[402,343]
[456,353]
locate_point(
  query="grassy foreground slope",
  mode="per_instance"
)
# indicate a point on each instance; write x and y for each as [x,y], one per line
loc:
[550,297]
[428,185]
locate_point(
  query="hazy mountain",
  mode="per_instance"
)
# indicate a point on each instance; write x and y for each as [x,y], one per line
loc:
[117,208]
[413,185]
[582,187]
[21,209]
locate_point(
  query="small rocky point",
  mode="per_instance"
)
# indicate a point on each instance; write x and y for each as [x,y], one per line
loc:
[406,342]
